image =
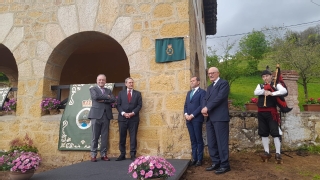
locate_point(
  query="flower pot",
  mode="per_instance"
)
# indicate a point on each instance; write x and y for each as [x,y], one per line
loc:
[54,111]
[311,107]
[21,176]
[251,107]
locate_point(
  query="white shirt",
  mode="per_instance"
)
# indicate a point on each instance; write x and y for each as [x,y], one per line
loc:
[279,92]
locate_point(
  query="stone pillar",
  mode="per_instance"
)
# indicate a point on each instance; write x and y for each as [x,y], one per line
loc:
[291,78]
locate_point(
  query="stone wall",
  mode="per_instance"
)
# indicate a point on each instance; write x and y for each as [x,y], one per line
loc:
[42,35]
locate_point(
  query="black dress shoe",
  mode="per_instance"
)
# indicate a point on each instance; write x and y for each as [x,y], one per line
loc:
[199,163]
[213,167]
[222,170]
[192,163]
[120,158]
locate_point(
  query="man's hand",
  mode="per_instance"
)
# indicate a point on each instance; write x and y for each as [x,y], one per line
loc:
[128,115]
[204,111]
[267,93]
[189,117]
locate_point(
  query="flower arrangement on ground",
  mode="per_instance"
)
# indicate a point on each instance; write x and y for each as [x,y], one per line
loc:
[147,167]
[49,103]
[312,101]
[21,157]
[26,161]
[10,105]
[25,145]
[7,158]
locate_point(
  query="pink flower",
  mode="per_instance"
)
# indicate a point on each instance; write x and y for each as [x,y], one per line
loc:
[135,175]
[151,167]
[142,172]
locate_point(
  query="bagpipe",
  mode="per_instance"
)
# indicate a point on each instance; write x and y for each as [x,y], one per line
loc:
[280,101]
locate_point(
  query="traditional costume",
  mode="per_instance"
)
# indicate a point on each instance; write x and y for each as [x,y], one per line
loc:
[268,117]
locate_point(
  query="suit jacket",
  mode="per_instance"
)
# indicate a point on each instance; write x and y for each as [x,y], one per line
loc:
[193,106]
[98,108]
[216,100]
[123,105]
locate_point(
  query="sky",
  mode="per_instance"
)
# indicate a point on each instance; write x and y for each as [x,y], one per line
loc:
[242,16]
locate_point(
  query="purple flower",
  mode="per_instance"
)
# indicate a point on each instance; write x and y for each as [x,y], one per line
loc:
[49,103]
[150,167]
[11,105]
[26,161]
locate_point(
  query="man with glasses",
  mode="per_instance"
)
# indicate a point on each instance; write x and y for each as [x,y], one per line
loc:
[215,108]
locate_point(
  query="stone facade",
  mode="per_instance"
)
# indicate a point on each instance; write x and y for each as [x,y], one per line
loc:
[50,39]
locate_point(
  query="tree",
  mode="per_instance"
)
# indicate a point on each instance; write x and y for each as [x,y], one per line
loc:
[300,52]
[253,46]
[227,64]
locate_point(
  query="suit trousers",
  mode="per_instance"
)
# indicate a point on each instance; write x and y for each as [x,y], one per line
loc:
[195,133]
[124,126]
[218,142]
[100,127]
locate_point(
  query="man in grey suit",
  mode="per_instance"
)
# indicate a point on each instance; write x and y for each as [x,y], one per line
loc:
[129,104]
[215,107]
[100,115]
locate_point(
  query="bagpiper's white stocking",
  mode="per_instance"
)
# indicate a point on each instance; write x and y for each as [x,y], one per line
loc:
[277,144]
[265,143]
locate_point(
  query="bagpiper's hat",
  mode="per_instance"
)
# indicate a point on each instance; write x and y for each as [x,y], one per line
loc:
[266,72]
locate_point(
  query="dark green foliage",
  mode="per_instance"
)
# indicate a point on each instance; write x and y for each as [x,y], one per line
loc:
[310,148]
[3,77]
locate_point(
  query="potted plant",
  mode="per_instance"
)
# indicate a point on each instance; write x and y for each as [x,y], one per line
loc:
[24,165]
[21,160]
[51,105]
[10,106]
[252,104]
[312,104]
[151,167]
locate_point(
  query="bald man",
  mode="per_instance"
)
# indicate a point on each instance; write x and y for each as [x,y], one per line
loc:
[215,107]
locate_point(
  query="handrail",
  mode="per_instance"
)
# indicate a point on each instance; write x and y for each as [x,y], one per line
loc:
[63,102]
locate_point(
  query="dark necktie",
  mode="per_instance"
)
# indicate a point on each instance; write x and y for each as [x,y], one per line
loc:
[129,95]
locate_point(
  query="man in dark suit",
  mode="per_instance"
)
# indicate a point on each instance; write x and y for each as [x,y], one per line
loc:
[194,120]
[129,104]
[215,107]
[100,115]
